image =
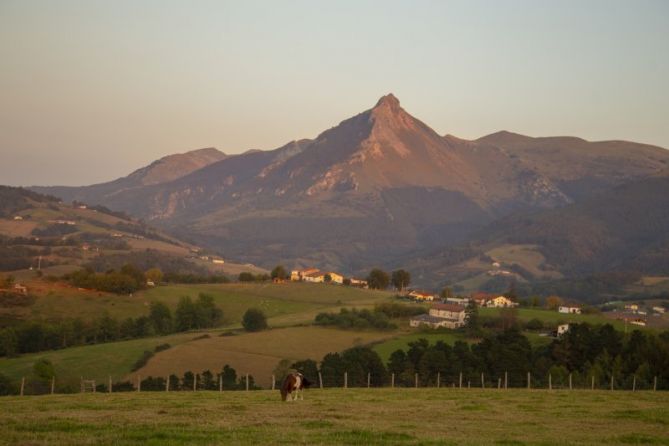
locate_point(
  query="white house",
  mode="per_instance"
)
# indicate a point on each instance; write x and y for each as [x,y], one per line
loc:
[660,310]
[458,300]
[562,329]
[441,315]
[424,296]
[359,282]
[501,301]
[297,275]
[569,309]
[218,261]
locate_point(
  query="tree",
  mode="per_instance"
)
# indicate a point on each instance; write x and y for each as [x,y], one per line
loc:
[186,317]
[472,322]
[446,293]
[378,279]
[247,277]
[327,278]
[401,279]
[553,302]
[254,320]
[154,275]
[347,282]
[279,272]
[161,317]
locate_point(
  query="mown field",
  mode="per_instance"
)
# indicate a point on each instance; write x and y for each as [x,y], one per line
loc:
[340,417]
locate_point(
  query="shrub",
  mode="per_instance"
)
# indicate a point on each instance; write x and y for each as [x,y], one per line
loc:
[254,320]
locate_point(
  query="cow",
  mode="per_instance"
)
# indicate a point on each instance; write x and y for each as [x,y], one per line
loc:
[293,385]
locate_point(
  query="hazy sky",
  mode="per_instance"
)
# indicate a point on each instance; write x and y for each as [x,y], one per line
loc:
[91,90]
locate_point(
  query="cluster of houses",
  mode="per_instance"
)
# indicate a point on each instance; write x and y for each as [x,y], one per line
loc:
[314,275]
[451,312]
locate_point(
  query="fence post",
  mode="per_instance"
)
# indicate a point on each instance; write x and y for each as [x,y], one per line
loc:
[506,379]
[611,381]
[195,382]
[139,383]
[369,379]
[499,383]
[392,381]
[220,382]
[273,382]
[247,381]
[570,386]
[550,382]
[634,383]
[592,384]
[416,379]
[110,389]
[461,380]
[345,380]
[53,384]
[482,381]
[529,380]
[655,383]
[320,380]
[23,384]
[438,379]
[167,384]
[469,384]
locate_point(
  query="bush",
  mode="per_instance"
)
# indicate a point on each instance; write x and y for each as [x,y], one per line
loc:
[534,324]
[254,320]
[141,362]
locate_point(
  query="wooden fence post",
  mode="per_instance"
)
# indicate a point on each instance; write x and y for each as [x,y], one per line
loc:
[592,384]
[611,381]
[139,383]
[570,382]
[273,382]
[247,381]
[167,384]
[320,380]
[469,384]
[550,382]
[461,380]
[195,382]
[345,380]
[369,380]
[53,384]
[23,384]
[506,380]
[220,382]
[634,383]
[392,381]
[482,381]
[655,383]
[529,380]
[499,383]
[416,379]
[111,388]
[438,379]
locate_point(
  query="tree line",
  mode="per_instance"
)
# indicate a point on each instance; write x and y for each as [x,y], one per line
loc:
[35,336]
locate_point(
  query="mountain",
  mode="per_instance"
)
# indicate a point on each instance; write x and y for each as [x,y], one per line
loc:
[380,188]
[164,170]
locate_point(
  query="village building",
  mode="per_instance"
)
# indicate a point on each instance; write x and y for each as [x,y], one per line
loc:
[569,309]
[660,310]
[501,302]
[218,261]
[18,217]
[441,315]
[458,300]
[632,307]
[562,329]
[639,322]
[314,275]
[481,299]
[423,296]
[297,275]
[359,282]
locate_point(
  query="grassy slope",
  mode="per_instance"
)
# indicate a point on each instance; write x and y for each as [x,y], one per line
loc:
[337,416]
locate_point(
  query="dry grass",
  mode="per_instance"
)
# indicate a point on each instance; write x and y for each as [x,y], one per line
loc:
[255,353]
[338,416]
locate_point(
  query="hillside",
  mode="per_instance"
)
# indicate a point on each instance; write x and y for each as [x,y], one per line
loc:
[379,188]
[38,231]
[164,170]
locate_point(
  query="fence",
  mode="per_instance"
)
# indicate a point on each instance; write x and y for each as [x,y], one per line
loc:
[358,380]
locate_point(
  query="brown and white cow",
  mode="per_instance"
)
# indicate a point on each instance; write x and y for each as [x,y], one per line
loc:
[293,386]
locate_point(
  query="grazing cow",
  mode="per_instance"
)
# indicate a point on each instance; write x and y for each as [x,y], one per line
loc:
[293,385]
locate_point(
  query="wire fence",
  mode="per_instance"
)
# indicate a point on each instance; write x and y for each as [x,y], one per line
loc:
[346,380]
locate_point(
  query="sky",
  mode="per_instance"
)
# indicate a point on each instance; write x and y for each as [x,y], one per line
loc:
[92,90]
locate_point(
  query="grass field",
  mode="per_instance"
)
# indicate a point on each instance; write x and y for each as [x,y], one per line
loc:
[340,417]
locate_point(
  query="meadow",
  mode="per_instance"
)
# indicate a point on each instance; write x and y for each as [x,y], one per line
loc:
[425,416]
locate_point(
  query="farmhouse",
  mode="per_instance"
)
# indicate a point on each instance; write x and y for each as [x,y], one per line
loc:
[481,299]
[501,302]
[569,309]
[419,295]
[639,322]
[458,300]
[359,282]
[562,329]
[218,261]
[441,315]
[632,307]
[660,310]
[315,276]
[18,217]
[297,275]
